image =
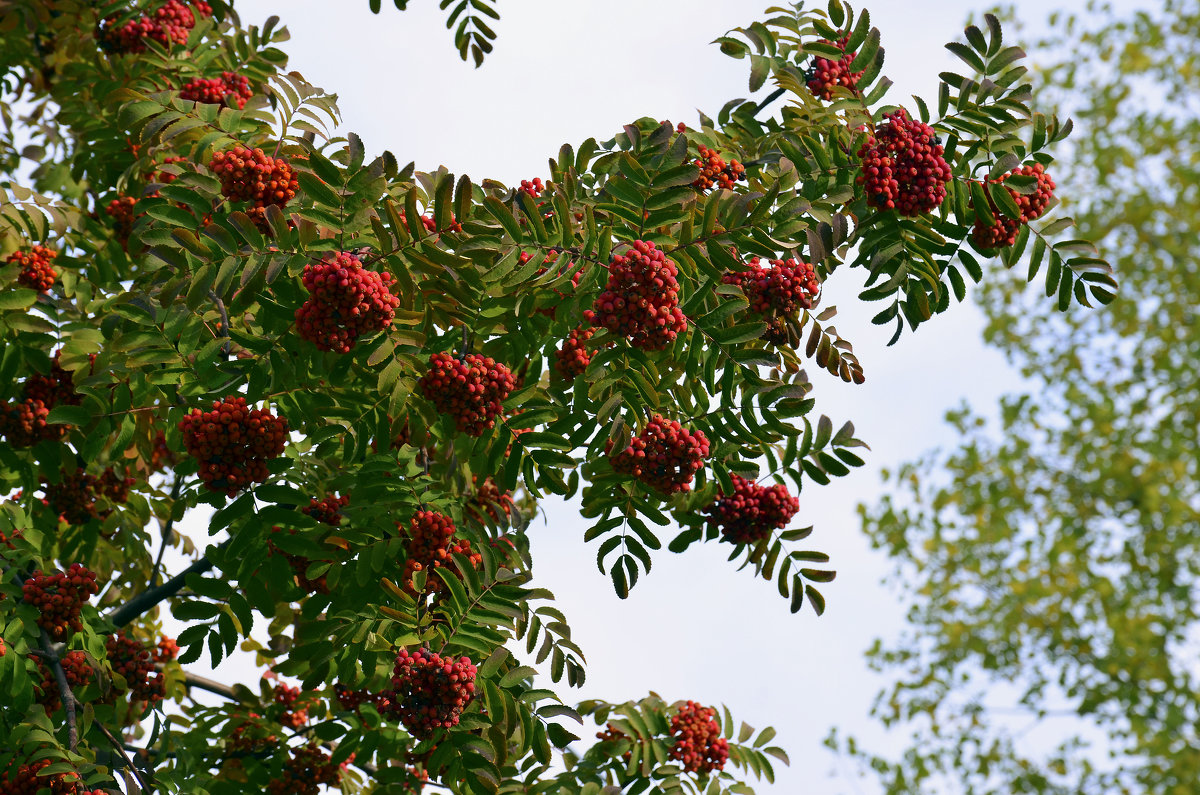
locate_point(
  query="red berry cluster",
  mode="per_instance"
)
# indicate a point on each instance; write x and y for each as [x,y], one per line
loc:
[612,734]
[432,690]
[170,23]
[345,302]
[471,389]
[233,443]
[214,90]
[573,357]
[304,773]
[37,272]
[552,255]
[431,543]
[120,210]
[1004,231]
[166,650]
[78,674]
[752,511]
[166,177]
[286,697]
[74,496]
[825,75]
[250,175]
[699,745]
[25,780]
[133,661]
[162,457]
[248,735]
[431,225]
[532,187]
[664,456]
[715,171]
[902,166]
[641,301]
[778,292]
[23,423]
[327,511]
[350,700]
[59,598]
[488,500]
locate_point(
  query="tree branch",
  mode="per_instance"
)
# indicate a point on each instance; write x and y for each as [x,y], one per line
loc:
[64,689]
[152,596]
[767,100]
[166,533]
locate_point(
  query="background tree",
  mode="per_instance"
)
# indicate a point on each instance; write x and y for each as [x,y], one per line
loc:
[370,375]
[1052,558]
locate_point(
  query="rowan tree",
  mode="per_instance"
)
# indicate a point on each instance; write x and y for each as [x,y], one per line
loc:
[356,366]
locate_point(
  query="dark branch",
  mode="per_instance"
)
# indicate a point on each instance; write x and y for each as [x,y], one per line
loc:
[152,596]
[64,689]
[767,100]
[166,533]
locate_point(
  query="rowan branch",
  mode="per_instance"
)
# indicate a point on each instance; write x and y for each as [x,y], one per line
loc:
[139,604]
[64,688]
[166,532]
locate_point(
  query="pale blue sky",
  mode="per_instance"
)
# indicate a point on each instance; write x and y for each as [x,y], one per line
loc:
[566,70]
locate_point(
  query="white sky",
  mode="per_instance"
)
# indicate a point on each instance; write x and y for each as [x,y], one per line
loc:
[566,70]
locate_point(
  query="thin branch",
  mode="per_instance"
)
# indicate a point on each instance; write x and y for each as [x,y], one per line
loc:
[767,100]
[166,533]
[225,349]
[152,596]
[119,747]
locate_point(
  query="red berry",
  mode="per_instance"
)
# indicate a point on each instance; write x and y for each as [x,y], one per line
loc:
[715,171]
[134,662]
[751,512]
[59,598]
[431,691]
[250,175]
[215,91]
[777,293]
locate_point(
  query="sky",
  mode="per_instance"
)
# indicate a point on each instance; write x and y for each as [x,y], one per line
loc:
[566,70]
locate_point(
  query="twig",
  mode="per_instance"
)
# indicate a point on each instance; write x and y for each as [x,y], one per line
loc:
[166,533]
[767,100]
[225,349]
[119,747]
[152,596]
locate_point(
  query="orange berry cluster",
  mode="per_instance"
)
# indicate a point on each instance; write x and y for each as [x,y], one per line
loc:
[250,175]
[902,166]
[23,423]
[699,746]
[471,389]
[307,769]
[532,187]
[132,660]
[233,443]
[59,598]
[664,456]
[37,272]
[573,357]
[715,171]
[170,23]
[612,734]
[166,650]
[286,697]
[432,690]
[1004,231]
[24,780]
[78,674]
[641,301]
[215,90]
[431,543]
[751,512]
[248,736]
[825,75]
[345,302]
[120,210]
